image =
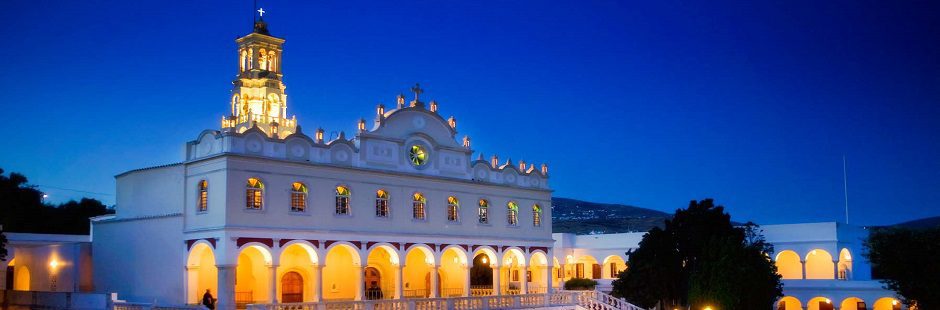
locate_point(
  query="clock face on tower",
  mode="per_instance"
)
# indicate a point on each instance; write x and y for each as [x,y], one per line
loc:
[418,155]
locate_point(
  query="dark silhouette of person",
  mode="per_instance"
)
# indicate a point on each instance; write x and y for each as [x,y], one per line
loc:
[208,300]
[374,292]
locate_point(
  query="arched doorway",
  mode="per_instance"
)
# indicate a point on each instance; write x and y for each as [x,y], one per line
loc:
[789,265]
[382,260]
[299,257]
[481,275]
[853,303]
[292,287]
[21,281]
[819,265]
[418,265]
[537,274]
[513,272]
[845,265]
[253,276]
[789,303]
[613,266]
[427,282]
[453,272]
[341,278]
[373,284]
[587,268]
[887,303]
[820,303]
[201,273]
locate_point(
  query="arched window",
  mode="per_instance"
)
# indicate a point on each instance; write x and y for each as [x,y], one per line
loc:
[536,215]
[254,194]
[452,206]
[298,197]
[417,205]
[483,211]
[342,200]
[271,61]
[242,61]
[203,204]
[512,213]
[381,203]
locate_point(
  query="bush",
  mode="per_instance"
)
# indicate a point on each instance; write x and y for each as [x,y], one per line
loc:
[578,284]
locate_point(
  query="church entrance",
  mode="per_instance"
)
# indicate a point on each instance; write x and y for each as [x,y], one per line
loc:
[292,287]
[481,276]
[373,284]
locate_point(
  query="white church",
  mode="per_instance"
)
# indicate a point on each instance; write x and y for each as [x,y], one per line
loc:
[263,212]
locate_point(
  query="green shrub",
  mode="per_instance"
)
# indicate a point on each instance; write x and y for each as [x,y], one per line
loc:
[578,284]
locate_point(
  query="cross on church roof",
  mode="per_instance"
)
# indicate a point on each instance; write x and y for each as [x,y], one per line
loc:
[261,12]
[417,90]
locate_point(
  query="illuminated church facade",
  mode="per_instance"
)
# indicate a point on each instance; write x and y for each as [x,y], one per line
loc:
[262,212]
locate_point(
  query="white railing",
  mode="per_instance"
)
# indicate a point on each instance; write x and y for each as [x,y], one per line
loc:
[592,300]
[597,300]
[150,306]
[558,299]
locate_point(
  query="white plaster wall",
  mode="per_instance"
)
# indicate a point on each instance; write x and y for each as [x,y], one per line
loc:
[141,260]
[37,258]
[150,192]
[321,182]
[213,171]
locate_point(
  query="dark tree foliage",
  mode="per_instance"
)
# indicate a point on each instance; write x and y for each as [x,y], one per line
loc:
[906,260]
[701,259]
[22,209]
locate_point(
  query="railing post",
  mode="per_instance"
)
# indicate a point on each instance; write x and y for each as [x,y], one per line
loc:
[486,303]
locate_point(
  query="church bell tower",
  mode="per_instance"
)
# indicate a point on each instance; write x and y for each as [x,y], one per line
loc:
[258,98]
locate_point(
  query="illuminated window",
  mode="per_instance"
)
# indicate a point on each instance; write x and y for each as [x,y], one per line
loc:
[452,206]
[298,197]
[418,155]
[614,271]
[579,271]
[536,215]
[381,203]
[342,200]
[263,59]
[203,204]
[254,194]
[417,206]
[483,212]
[512,214]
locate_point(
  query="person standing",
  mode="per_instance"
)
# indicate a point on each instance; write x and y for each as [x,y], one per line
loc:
[208,300]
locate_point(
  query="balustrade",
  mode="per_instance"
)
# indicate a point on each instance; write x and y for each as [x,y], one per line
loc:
[592,300]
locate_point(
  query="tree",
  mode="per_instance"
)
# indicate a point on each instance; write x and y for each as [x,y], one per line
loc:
[905,260]
[22,209]
[701,259]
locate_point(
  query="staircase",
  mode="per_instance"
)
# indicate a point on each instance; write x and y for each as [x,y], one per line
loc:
[597,300]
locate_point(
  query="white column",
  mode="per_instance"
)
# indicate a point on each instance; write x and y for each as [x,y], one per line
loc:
[400,280]
[803,268]
[317,283]
[272,282]
[835,269]
[226,284]
[192,295]
[496,284]
[466,285]
[524,279]
[549,276]
[434,279]
[360,291]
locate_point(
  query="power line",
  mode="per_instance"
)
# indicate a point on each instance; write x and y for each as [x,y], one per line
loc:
[73,190]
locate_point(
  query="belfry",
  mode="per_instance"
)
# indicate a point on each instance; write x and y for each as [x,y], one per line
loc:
[258,98]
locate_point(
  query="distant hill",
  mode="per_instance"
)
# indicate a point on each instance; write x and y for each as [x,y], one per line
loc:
[584,217]
[921,223]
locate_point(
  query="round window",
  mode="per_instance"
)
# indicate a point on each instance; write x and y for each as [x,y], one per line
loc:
[418,155]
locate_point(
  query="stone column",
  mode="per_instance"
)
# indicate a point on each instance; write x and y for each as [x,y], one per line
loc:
[835,269]
[318,283]
[400,280]
[496,284]
[434,279]
[360,291]
[226,284]
[803,268]
[524,279]
[549,276]
[192,295]
[466,285]
[272,281]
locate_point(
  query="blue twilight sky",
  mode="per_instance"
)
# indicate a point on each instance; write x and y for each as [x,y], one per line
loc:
[649,103]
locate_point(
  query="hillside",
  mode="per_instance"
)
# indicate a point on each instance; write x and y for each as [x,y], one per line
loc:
[921,223]
[583,217]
